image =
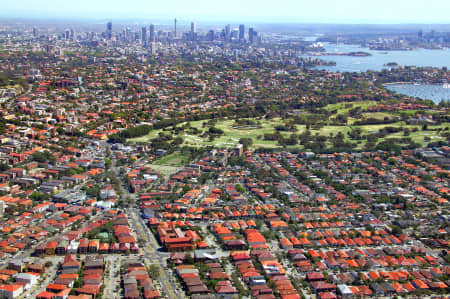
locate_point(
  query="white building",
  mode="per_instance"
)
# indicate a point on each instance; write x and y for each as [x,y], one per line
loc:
[29,278]
[73,247]
[10,291]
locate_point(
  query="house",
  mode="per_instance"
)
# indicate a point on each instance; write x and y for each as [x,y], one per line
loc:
[83,247]
[93,246]
[315,276]
[235,245]
[91,290]
[202,255]
[175,239]
[63,294]
[18,265]
[70,263]
[93,262]
[345,291]
[36,267]
[254,237]
[322,286]
[30,279]
[73,247]
[104,248]
[114,248]
[46,295]
[225,290]
[40,249]
[50,248]
[378,289]
[10,291]
[62,247]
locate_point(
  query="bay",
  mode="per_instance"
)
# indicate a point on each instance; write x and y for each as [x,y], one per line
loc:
[434,92]
[378,59]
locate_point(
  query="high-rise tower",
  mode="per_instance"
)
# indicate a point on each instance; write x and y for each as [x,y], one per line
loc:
[152,33]
[252,35]
[241,32]
[193,32]
[175,27]
[228,32]
[109,30]
[144,36]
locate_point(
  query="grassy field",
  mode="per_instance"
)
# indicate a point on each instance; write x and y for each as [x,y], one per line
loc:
[232,135]
[147,137]
[229,139]
[175,159]
[344,107]
[165,170]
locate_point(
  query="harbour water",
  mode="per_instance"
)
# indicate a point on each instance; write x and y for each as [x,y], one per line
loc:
[378,59]
[433,92]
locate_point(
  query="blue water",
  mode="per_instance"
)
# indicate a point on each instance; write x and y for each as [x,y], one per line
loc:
[376,62]
[433,92]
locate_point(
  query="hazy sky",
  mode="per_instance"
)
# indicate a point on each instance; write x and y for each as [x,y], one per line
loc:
[302,11]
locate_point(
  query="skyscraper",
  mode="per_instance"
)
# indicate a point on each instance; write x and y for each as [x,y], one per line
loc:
[241,32]
[73,35]
[152,33]
[193,31]
[210,35]
[175,27]
[109,30]
[228,32]
[67,34]
[144,36]
[252,35]
[128,34]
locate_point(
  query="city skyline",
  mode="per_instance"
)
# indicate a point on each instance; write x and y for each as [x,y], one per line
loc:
[286,11]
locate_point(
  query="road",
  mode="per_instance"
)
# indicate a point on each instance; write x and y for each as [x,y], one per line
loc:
[151,252]
[50,275]
[110,282]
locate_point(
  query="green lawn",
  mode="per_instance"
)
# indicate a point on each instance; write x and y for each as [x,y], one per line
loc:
[229,139]
[175,159]
[165,170]
[344,107]
[377,115]
[232,135]
[145,138]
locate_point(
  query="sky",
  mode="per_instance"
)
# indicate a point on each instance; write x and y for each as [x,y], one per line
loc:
[282,11]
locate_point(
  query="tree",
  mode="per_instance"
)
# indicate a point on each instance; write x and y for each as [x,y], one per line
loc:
[246,142]
[186,188]
[239,188]
[154,271]
[3,167]
[108,163]
[43,157]
[188,259]
[396,230]
[211,284]
[215,131]
[36,196]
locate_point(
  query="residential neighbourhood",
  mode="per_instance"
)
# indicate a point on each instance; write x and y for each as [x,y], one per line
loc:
[215,166]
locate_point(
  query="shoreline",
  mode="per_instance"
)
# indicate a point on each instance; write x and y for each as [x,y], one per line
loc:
[397,83]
